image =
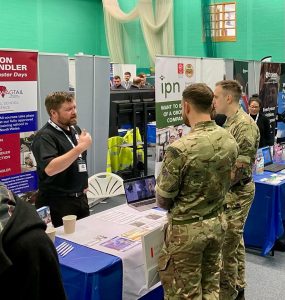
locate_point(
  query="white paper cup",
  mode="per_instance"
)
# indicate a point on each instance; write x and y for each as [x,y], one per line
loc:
[69,223]
[51,231]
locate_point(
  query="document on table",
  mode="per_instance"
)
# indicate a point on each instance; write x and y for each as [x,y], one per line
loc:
[273,179]
[119,244]
[135,234]
[96,240]
[147,220]
[118,217]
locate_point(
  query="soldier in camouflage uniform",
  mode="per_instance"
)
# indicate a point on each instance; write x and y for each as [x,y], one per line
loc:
[239,199]
[192,185]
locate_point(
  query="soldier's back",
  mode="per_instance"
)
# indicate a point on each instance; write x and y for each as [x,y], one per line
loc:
[210,152]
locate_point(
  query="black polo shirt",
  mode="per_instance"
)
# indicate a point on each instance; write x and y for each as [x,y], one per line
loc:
[48,144]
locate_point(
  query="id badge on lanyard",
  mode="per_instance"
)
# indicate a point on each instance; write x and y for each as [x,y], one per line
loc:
[81,163]
[82,167]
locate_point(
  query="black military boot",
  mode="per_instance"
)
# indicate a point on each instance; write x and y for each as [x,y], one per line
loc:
[240,295]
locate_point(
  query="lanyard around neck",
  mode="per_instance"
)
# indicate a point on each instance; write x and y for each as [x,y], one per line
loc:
[61,130]
[256,118]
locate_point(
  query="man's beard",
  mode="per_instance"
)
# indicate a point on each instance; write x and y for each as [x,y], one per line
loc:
[73,121]
[68,122]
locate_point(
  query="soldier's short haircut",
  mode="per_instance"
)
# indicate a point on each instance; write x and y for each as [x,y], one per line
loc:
[117,77]
[56,99]
[232,87]
[200,95]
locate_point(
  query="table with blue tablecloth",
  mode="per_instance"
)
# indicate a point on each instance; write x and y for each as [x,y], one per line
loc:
[264,223]
[92,271]
[90,274]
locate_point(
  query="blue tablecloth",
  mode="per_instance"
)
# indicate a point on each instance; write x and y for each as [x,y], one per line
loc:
[89,274]
[92,275]
[264,223]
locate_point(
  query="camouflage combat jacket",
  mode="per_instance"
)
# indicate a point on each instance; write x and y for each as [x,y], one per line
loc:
[246,133]
[196,171]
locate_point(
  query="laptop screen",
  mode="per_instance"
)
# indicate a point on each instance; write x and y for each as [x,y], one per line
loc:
[266,156]
[139,189]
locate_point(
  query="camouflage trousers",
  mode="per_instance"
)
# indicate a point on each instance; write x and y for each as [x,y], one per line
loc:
[190,260]
[233,252]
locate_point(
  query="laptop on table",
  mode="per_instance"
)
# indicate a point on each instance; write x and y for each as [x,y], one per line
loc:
[268,161]
[140,192]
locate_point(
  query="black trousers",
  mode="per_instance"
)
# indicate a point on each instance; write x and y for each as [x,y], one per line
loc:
[61,206]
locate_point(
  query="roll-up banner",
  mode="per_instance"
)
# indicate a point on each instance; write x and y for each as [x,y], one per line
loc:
[281,107]
[241,75]
[18,119]
[268,91]
[172,76]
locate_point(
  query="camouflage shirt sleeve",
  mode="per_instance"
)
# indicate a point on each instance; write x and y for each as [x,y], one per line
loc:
[168,181]
[247,140]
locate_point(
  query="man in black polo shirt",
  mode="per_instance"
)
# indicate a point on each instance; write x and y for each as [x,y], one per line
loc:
[60,151]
